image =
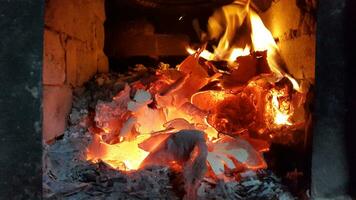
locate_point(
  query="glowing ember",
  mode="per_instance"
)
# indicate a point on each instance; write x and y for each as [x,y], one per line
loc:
[123,156]
[281,111]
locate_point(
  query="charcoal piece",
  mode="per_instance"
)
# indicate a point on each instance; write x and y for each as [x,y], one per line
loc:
[172,87]
[262,63]
[177,147]
[196,78]
[187,148]
[234,114]
[210,99]
[221,65]
[191,110]
[245,70]
[154,140]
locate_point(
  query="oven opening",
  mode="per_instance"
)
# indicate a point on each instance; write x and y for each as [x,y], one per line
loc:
[151,99]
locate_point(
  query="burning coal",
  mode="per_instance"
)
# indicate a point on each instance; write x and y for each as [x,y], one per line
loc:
[201,117]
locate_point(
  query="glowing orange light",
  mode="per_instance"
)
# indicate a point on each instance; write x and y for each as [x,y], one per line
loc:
[237,52]
[281,112]
[124,156]
[262,40]
[204,54]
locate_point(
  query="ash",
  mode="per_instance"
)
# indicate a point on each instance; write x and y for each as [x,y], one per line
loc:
[67,174]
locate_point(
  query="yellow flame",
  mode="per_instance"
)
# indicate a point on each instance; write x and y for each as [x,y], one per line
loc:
[237,52]
[281,113]
[294,82]
[124,156]
[211,131]
[106,129]
[204,54]
[262,40]
[225,23]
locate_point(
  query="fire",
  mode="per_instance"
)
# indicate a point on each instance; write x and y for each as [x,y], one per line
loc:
[224,23]
[232,17]
[237,52]
[205,54]
[173,113]
[125,155]
[262,38]
[182,100]
[281,111]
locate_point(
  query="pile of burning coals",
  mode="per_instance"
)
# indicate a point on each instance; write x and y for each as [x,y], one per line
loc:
[102,158]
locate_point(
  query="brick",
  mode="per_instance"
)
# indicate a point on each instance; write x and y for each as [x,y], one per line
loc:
[98,7]
[103,63]
[53,59]
[57,102]
[71,17]
[86,63]
[99,34]
[81,25]
[71,61]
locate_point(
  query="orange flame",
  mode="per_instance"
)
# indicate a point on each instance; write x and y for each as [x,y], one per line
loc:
[262,40]
[281,112]
[237,52]
[225,22]
[123,156]
[204,54]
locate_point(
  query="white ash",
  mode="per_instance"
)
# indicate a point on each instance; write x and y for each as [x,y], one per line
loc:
[263,185]
[66,174]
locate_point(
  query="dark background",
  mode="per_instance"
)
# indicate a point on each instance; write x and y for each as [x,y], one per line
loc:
[21,32]
[350,54]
